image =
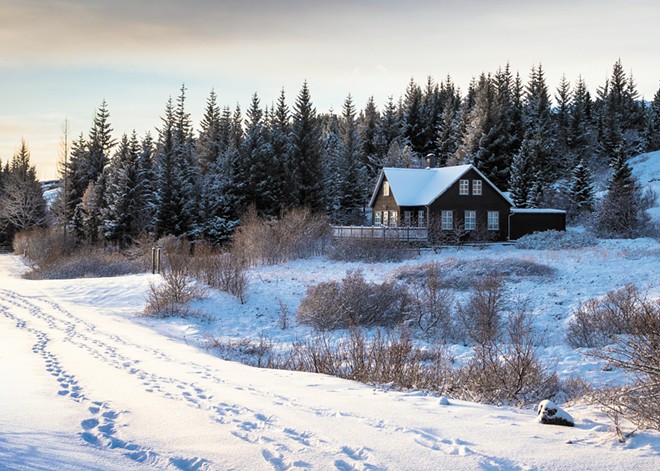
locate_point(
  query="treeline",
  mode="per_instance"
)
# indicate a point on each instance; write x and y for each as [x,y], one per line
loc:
[199,184]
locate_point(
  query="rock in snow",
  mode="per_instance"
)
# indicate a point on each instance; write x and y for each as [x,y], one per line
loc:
[550,414]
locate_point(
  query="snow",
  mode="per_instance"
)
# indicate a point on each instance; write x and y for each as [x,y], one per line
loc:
[537,211]
[646,167]
[88,384]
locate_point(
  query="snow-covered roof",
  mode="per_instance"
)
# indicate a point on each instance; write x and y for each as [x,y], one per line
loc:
[537,210]
[421,187]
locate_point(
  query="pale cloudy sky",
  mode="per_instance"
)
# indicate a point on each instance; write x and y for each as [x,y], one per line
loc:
[60,58]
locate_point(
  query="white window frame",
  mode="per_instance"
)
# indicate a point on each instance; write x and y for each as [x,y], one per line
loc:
[470,220]
[477,187]
[420,218]
[386,218]
[378,218]
[407,218]
[464,187]
[446,220]
[493,220]
[386,188]
[394,219]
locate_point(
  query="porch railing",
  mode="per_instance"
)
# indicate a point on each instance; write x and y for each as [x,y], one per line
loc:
[405,233]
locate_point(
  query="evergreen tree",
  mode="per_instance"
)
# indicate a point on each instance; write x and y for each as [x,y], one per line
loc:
[351,167]
[280,143]
[524,173]
[622,212]
[653,124]
[581,190]
[121,215]
[22,205]
[369,123]
[306,149]
[209,145]
[414,126]
[100,143]
[579,138]
[390,128]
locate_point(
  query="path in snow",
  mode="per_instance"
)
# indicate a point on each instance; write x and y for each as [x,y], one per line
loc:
[121,396]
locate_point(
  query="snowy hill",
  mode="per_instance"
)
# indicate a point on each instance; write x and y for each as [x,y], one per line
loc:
[646,167]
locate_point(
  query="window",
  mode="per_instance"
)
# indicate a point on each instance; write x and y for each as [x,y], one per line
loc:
[386,188]
[378,218]
[470,220]
[407,218]
[386,218]
[446,220]
[464,187]
[493,221]
[420,218]
[476,187]
[393,218]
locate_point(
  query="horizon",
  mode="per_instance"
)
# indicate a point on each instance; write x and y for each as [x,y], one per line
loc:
[60,61]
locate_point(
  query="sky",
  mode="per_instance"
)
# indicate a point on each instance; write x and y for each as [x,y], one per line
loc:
[59,59]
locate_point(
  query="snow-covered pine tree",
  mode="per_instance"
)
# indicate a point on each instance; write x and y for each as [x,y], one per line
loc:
[369,122]
[523,172]
[447,136]
[581,190]
[120,216]
[280,143]
[306,152]
[351,167]
[652,134]
[208,144]
[390,128]
[622,212]
[414,126]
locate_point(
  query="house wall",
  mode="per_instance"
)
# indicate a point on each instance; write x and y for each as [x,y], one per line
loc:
[489,200]
[384,203]
[527,223]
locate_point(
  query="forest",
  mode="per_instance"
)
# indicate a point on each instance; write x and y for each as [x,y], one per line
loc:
[547,148]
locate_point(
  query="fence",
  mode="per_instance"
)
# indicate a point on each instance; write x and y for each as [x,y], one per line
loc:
[407,233]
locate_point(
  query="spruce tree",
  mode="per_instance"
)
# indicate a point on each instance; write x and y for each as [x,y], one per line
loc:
[622,212]
[208,144]
[369,123]
[523,173]
[306,150]
[581,190]
[653,124]
[353,172]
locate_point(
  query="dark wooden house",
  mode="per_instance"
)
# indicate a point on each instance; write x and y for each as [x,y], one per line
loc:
[449,200]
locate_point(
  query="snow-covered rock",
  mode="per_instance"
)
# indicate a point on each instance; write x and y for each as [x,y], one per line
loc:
[550,414]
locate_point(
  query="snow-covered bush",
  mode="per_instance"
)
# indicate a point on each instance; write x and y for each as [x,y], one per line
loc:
[463,274]
[479,317]
[371,250]
[431,301]
[353,302]
[556,240]
[220,269]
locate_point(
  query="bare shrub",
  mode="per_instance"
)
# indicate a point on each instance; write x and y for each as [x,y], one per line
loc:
[371,250]
[259,352]
[509,372]
[51,256]
[431,302]
[297,234]
[386,358]
[172,296]
[353,302]
[638,354]
[480,315]
[223,270]
[598,321]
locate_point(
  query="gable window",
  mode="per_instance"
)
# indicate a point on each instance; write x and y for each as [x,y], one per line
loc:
[464,187]
[476,187]
[420,218]
[446,220]
[470,220]
[407,218]
[493,221]
[386,188]
[378,218]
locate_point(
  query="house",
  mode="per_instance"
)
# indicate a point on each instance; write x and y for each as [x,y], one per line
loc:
[458,201]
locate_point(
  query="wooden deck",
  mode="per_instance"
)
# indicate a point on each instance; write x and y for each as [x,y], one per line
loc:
[408,234]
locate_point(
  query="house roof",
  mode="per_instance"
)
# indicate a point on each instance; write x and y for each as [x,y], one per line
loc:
[421,187]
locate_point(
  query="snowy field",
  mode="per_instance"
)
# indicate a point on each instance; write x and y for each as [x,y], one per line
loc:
[88,384]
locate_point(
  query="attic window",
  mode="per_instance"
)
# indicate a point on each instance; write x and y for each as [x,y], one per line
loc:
[464,187]
[386,188]
[476,187]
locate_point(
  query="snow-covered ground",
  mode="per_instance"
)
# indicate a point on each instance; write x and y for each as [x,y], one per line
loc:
[88,384]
